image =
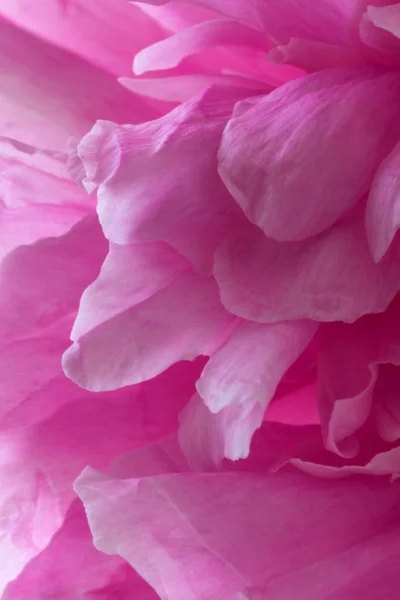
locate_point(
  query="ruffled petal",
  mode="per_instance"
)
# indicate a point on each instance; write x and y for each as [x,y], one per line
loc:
[189,536]
[304,155]
[175,89]
[331,277]
[168,166]
[312,55]
[37,198]
[382,217]
[169,53]
[240,380]
[140,322]
[71,567]
[49,94]
[358,375]
[41,455]
[328,20]
[100,32]
[382,464]
[380,31]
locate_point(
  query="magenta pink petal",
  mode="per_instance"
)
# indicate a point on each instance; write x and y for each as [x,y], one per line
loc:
[357,378]
[130,275]
[38,199]
[170,52]
[181,321]
[176,89]
[331,277]
[49,94]
[386,17]
[382,464]
[240,380]
[40,458]
[71,567]
[100,33]
[378,30]
[313,55]
[382,216]
[329,20]
[289,176]
[159,180]
[168,527]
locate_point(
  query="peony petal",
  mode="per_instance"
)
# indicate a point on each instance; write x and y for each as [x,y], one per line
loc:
[176,89]
[382,217]
[314,56]
[171,528]
[49,94]
[37,199]
[170,52]
[240,379]
[139,339]
[382,464]
[291,175]
[379,31]
[350,380]
[130,275]
[282,19]
[386,18]
[38,463]
[169,167]
[387,412]
[100,33]
[37,308]
[71,567]
[330,277]
[34,294]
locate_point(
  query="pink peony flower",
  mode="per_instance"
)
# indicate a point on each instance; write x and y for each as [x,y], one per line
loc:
[232,422]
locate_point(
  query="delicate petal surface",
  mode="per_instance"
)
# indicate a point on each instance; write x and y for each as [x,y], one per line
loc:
[239,381]
[71,567]
[282,19]
[382,217]
[159,180]
[153,324]
[101,32]
[173,527]
[331,277]
[49,94]
[301,157]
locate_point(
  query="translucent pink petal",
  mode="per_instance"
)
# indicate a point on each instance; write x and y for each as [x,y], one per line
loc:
[386,17]
[168,166]
[382,217]
[49,94]
[39,460]
[71,567]
[281,19]
[384,463]
[298,407]
[239,381]
[37,308]
[130,275]
[37,197]
[172,528]
[100,32]
[331,277]
[170,52]
[312,55]
[387,412]
[153,324]
[355,371]
[290,177]
[181,88]
[380,31]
